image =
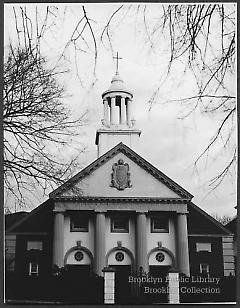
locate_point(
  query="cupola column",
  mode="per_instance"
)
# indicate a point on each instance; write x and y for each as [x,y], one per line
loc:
[123,111]
[113,111]
[106,113]
[129,111]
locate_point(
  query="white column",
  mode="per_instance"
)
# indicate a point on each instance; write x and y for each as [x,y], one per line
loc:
[113,111]
[123,111]
[117,114]
[182,244]
[99,243]
[58,238]
[129,111]
[106,114]
[141,241]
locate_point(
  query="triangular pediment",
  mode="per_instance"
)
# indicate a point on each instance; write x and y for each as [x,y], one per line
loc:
[142,180]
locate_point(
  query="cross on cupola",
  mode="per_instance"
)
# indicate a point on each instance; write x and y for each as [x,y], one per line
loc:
[117,58]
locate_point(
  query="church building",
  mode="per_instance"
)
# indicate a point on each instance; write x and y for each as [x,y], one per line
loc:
[119,212]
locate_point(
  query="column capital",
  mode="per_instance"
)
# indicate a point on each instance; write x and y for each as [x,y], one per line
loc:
[59,210]
[59,207]
[141,212]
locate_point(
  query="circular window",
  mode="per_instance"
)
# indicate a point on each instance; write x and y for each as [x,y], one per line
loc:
[78,256]
[119,256]
[160,257]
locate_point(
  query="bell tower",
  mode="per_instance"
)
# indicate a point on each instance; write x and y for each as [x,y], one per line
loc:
[118,124]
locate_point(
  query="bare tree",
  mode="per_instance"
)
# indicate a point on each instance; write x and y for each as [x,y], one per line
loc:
[203,37]
[37,125]
[222,219]
[199,36]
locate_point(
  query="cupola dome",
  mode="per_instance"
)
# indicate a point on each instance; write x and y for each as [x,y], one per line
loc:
[117,85]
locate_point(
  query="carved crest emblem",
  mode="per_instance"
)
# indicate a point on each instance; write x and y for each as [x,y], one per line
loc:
[120,175]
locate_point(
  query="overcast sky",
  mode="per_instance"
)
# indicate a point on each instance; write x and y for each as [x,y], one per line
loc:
[168,142]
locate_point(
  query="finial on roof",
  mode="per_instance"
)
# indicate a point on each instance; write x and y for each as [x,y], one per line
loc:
[117,58]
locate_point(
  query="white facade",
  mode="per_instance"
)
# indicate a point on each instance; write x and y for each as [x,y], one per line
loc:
[121,186]
[127,240]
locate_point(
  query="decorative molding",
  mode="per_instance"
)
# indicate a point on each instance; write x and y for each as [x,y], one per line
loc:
[206,235]
[160,257]
[79,244]
[109,205]
[119,256]
[165,250]
[116,93]
[122,248]
[122,199]
[82,248]
[120,175]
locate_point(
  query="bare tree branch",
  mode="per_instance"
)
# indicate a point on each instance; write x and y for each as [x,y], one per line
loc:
[35,120]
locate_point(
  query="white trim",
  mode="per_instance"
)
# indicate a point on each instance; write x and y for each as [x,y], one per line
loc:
[200,248]
[201,268]
[206,235]
[31,272]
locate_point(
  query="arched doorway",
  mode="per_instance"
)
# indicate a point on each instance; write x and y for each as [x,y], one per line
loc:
[122,260]
[160,260]
[78,261]
[81,286]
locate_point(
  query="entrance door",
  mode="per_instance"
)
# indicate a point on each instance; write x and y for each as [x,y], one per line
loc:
[78,284]
[122,286]
[77,271]
[160,294]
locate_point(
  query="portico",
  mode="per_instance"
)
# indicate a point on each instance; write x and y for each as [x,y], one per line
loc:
[138,240]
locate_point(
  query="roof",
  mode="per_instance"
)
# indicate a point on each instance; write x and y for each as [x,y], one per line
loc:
[38,220]
[12,218]
[199,222]
[117,85]
[232,225]
[122,148]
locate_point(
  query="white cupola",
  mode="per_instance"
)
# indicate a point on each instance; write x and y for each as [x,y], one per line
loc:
[118,124]
[117,101]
